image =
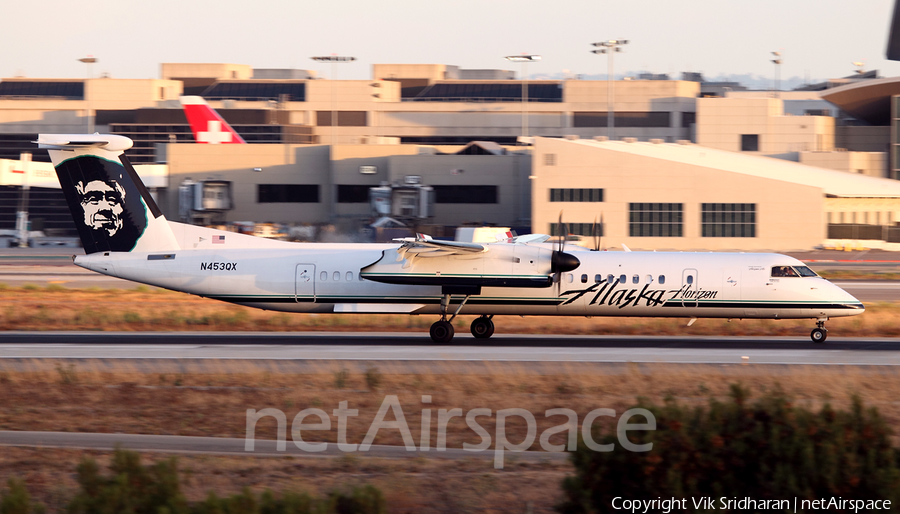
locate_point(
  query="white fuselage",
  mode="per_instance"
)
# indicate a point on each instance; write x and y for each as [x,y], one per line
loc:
[321,277]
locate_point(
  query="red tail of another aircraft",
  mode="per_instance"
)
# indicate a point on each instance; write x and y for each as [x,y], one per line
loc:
[206,124]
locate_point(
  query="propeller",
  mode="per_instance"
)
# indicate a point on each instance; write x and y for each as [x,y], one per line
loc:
[560,261]
[597,232]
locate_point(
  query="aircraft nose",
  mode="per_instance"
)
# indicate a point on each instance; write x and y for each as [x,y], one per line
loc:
[847,300]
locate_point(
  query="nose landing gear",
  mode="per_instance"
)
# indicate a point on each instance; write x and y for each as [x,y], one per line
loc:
[819,334]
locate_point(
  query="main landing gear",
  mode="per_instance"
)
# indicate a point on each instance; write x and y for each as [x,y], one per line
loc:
[483,327]
[442,330]
[819,333]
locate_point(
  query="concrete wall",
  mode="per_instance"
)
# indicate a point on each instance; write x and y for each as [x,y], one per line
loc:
[345,166]
[70,116]
[866,211]
[789,216]
[722,121]
[863,139]
[281,164]
[431,72]
[873,164]
[508,172]
[222,71]
[329,167]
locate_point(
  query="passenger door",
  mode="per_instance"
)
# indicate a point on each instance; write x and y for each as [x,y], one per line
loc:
[305,283]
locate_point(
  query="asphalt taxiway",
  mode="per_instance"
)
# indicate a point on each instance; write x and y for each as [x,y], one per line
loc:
[407,347]
[236,446]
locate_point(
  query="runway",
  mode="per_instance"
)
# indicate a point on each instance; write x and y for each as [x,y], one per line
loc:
[236,446]
[411,348]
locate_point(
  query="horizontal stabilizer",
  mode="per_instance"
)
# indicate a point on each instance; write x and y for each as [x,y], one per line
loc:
[108,142]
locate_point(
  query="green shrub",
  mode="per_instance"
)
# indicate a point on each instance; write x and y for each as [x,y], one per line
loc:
[17,500]
[340,378]
[133,488]
[361,500]
[373,378]
[770,449]
[130,487]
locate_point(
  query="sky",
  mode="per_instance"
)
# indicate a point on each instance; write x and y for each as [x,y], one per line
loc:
[819,39]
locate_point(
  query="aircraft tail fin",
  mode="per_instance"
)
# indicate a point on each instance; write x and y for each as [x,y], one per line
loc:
[206,124]
[112,208]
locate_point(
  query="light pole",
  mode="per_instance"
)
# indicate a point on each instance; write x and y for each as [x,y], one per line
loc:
[610,47]
[89,60]
[333,59]
[777,62]
[524,59]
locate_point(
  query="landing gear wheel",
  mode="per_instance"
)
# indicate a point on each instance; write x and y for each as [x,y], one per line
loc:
[441,332]
[482,328]
[818,335]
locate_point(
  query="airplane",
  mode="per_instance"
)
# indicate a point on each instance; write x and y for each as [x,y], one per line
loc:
[125,235]
[206,124]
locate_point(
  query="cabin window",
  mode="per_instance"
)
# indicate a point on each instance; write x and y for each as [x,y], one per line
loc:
[636,279]
[622,279]
[598,278]
[349,276]
[662,279]
[584,278]
[649,279]
[610,279]
[323,276]
[570,278]
[337,276]
[690,279]
[784,271]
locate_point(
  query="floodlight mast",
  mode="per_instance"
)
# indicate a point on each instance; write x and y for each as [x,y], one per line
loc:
[89,60]
[524,59]
[610,47]
[333,59]
[777,62]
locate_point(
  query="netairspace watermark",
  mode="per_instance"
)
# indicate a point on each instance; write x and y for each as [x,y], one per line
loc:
[667,505]
[502,443]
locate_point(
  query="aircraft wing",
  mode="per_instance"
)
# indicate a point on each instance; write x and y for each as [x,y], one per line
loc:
[427,262]
[424,246]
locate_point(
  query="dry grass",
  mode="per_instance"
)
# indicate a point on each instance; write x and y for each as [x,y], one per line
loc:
[89,396]
[409,486]
[71,397]
[141,309]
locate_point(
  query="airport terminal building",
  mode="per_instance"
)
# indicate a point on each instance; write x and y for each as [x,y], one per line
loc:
[783,164]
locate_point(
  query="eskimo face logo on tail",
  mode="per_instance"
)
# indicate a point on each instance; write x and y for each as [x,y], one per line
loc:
[103,205]
[106,203]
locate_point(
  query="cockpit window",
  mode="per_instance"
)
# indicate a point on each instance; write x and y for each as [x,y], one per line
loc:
[804,271]
[784,271]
